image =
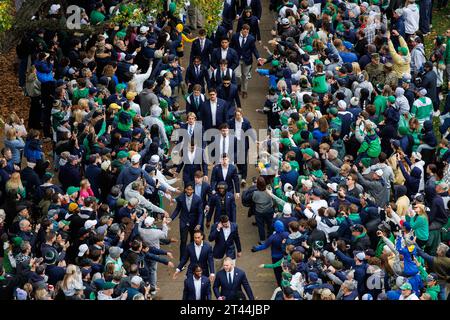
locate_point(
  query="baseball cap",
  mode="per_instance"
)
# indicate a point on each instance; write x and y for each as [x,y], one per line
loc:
[73,207]
[71,190]
[361,256]
[149,221]
[90,223]
[136,158]
[406,286]
[122,154]
[82,249]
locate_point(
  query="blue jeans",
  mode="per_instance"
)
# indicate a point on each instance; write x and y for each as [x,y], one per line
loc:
[153,269]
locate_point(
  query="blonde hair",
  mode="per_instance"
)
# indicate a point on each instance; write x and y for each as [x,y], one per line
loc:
[70,276]
[11,133]
[14,183]
[78,115]
[356,69]
[41,294]
[108,71]
[131,86]
[84,183]
[83,103]
[13,118]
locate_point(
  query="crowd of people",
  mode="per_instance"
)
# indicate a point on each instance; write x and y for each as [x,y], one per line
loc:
[352,186]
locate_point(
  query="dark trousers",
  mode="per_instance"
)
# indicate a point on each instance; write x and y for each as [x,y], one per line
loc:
[184,231]
[263,220]
[35,114]
[47,95]
[23,71]
[425,16]
[277,271]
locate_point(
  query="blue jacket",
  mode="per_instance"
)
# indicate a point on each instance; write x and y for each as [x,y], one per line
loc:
[205,55]
[412,179]
[16,147]
[44,71]
[193,78]
[428,136]
[229,13]
[215,207]
[347,119]
[289,177]
[92,174]
[206,260]
[231,179]
[231,95]
[189,289]
[360,270]
[228,290]
[232,58]
[131,174]
[246,52]
[69,175]
[255,5]
[275,241]
[189,169]
[205,114]
[188,218]
[224,247]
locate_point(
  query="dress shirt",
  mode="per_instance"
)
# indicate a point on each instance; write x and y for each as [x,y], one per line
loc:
[213,112]
[191,157]
[198,287]
[224,172]
[226,233]
[188,202]
[198,250]
[238,128]
[224,53]
[224,144]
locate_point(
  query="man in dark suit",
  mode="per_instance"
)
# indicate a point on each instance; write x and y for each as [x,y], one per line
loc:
[196,73]
[197,286]
[226,239]
[193,159]
[243,130]
[244,44]
[230,13]
[198,253]
[202,47]
[189,207]
[221,203]
[195,100]
[224,52]
[202,189]
[229,282]
[227,172]
[220,73]
[213,111]
[217,36]
[230,93]
[255,5]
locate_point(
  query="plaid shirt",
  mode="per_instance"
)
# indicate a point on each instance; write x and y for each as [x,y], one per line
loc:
[370,32]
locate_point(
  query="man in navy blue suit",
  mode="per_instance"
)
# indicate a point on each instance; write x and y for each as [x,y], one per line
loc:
[213,111]
[192,160]
[221,203]
[230,93]
[199,253]
[189,207]
[241,125]
[224,52]
[226,239]
[196,73]
[197,286]
[244,44]
[230,281]
[230,13]
[217,75]
[195,100]
[227,172]
[202,47]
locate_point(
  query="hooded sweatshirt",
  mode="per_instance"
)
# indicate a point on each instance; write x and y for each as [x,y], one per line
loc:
[411,16]
[401,63]
[422,109]
[401,102]
[417,58]
[275,241]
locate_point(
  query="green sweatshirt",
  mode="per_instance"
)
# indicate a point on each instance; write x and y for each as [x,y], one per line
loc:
[278,263]
[380,104]
[422,108]
[420,226]
[319,83]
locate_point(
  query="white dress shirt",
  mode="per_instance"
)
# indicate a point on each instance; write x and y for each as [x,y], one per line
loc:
[198,250]
[227,144]
[224,53]
[238,128]
[241,40]
[226,233]
[191,129]
[191,155]
[198,287]
[213,112]
[224,172]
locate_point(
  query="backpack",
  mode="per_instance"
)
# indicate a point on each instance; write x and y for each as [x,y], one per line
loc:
[247,197]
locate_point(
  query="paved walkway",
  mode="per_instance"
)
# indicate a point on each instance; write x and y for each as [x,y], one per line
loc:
[262,281]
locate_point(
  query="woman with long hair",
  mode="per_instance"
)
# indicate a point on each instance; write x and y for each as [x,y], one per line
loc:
[418,219]
[72,281]
[15,186]
[14,142]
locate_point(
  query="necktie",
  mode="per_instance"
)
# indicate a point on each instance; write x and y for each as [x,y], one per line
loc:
[243,40]
[197,70]
[229,279]
[197,101]
[223,147]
